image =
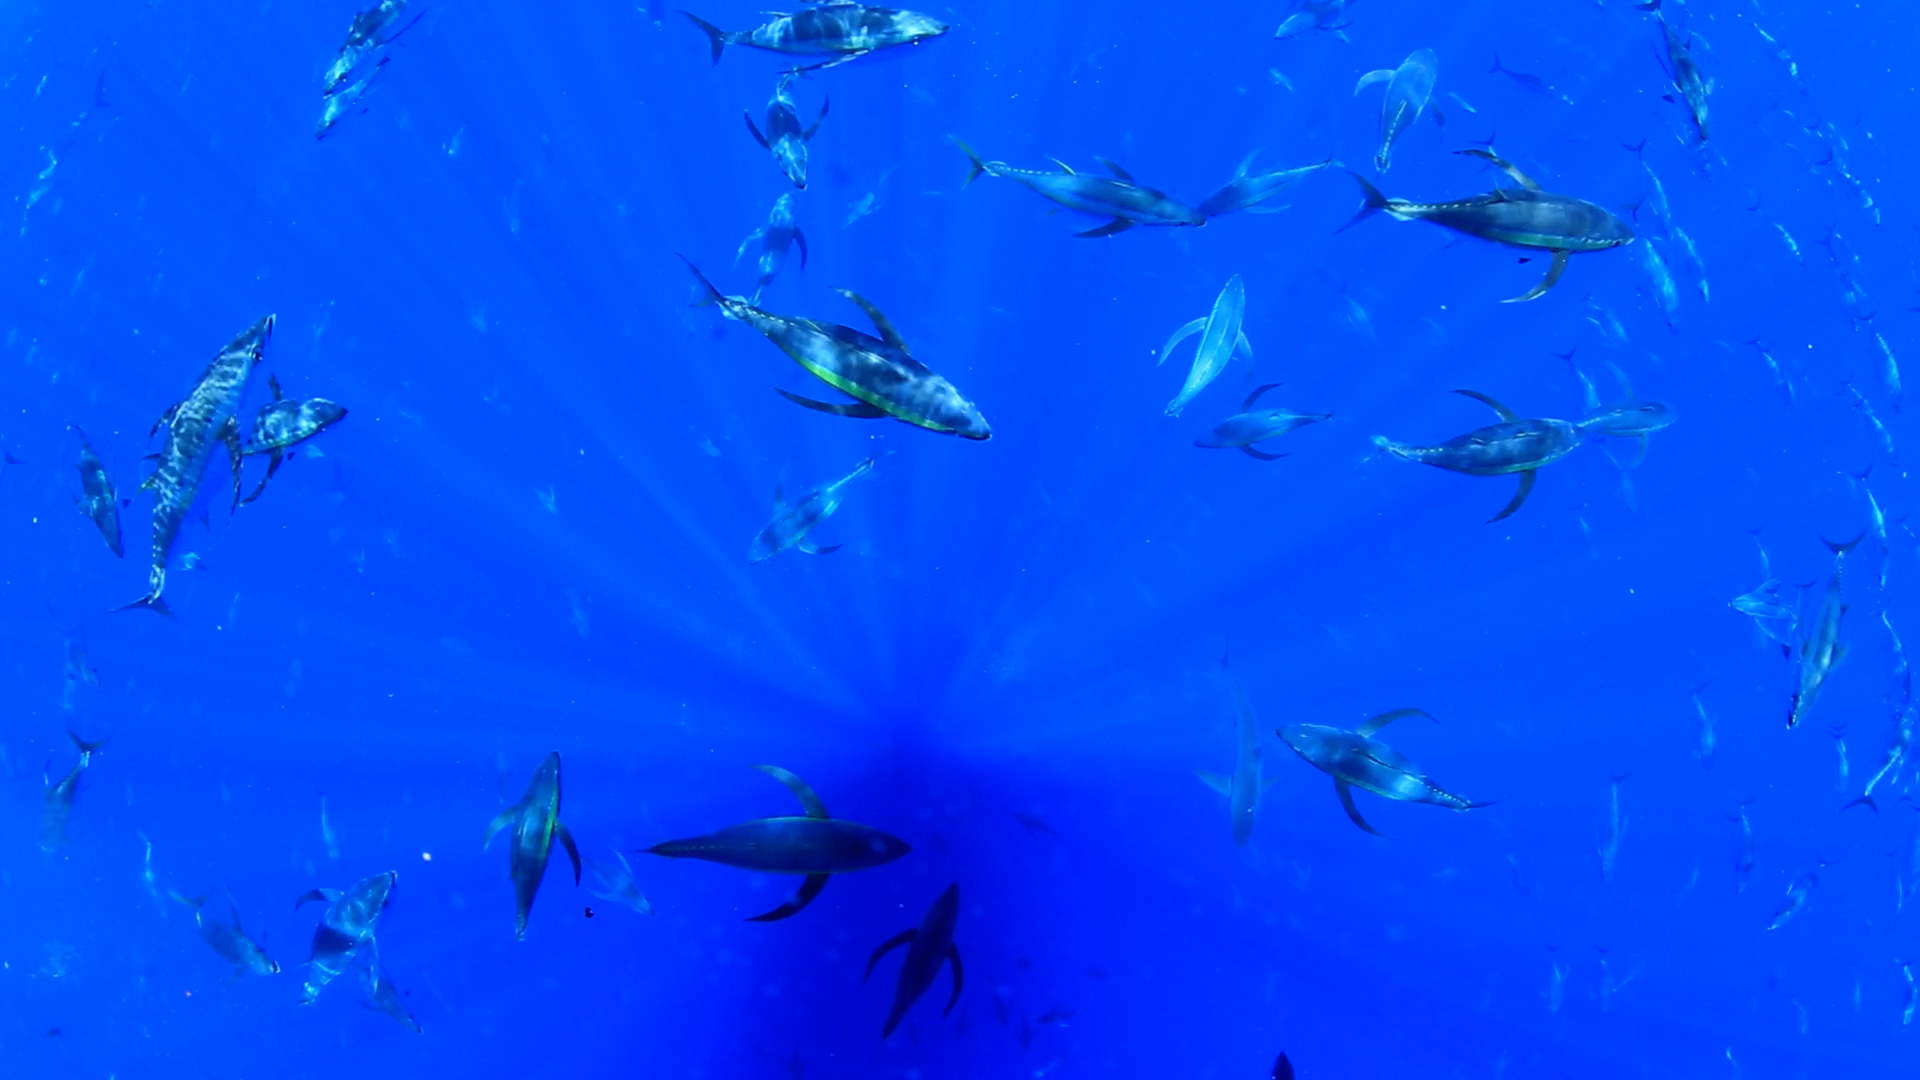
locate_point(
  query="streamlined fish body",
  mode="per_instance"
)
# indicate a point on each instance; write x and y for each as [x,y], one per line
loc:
[1409,87]
[791,524]
[784,138]
[1512,446]
[97,499]
[1122,200]
[1357,759]
[774,239]
[929,948]
[1220,339]
[345,928]
[59,795]
[840,30]
[1821,650]
[1249,426]
[535,821]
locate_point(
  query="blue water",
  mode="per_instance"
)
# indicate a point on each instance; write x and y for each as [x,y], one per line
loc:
[530,535]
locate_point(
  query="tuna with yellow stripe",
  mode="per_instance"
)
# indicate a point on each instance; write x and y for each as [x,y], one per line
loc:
[879,373]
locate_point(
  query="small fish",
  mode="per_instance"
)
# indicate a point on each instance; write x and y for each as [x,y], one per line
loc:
[816,845]
[1314,15]
[1913,994]
[97,499]
[1511,446]
[929,947]
[774,238]
[59,795]
[326,831]
[383,997]
[1797,896]
[1245,192]
[1821,650]
[368,33]
[1524,217]
[147,876]
[880,372]
[791,524]
[535,820]
[1706,740]
[1120,199]
[1055,1017]
[230,940]
[1684,71]
[1616,831]
[344,102]
[1357,759]
[280,425]
[1408,88]
[195,425]
[1244,787]
[1743,851]
[1241,430]
[840,30]
[1629,418]
[346,926]
[1899,749]
[1532,84]
[1556,986]
[1462,102]
[1220,339]
[79,671]
[614,881]
[1036,826]
[785,139]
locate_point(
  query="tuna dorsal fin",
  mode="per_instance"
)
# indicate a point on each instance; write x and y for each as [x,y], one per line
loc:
[273,384]
[886,947]
[1345,791]
[1247,405]
[1372,77]
[1064,167]
[808,800]
[1115,169]
[880,322]
[1386,718]
[1505,413]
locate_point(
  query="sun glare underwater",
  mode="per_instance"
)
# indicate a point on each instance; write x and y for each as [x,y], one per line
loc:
[1320,538]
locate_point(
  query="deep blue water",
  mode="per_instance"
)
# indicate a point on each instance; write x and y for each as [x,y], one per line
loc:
[530,535]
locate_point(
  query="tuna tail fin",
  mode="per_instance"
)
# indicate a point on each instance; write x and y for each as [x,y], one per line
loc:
[84,746]
[715,35]
[152,602]
[1864,800]
[194,902]
[1841,549]
[713,295]
[977,166]
[1375,202]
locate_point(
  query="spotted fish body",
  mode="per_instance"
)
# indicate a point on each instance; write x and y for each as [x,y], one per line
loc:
[791,524]
[817,845]
[1357,759]
[97,498]
[1408,88]
[1497,449]
[881,374]
[536,824]
[785,139]
[929,948]
[841,31]
[195,426]
[1119,198]
[348,925]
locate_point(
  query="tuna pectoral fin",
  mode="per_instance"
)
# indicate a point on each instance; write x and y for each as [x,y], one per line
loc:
[859,410]
[1642,455]
[1553,277]
[715,36]
[807,136]
[751,126]
[1261,454]
[1247,405]
[959,977]
[1111,228]
[1179,336]
[1214,780]
[823,65]
[1345,791]
[810,548]
[886,947]
[808,890]
[1520,496]
[809,801]
[573,853]
[500,821]
[1244,349]
[1389,717]
[1372,77]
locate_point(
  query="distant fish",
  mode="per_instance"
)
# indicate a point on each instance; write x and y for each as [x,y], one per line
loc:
[1616,831]
[929,948]
[1245,192]
[194,426]
[1036,826]
[614,881]
[1798,894]
[1705,740]
[1743,852]
[59,795]
[840,30]
[791,524]
[1408,89]
[1511,446]
[1532,84]
[1120,198]
[1250,426]
[1684,71]
[347,926]
[1243,788]
[1629,418]
[1523,217]
[1220,339]
[371,29]
[1821,650]
[339,105]
[535,820]
[230,940]
[774,238]
[97,499]
[1357,759]
[785,139]
[1309,15]
[816,845]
